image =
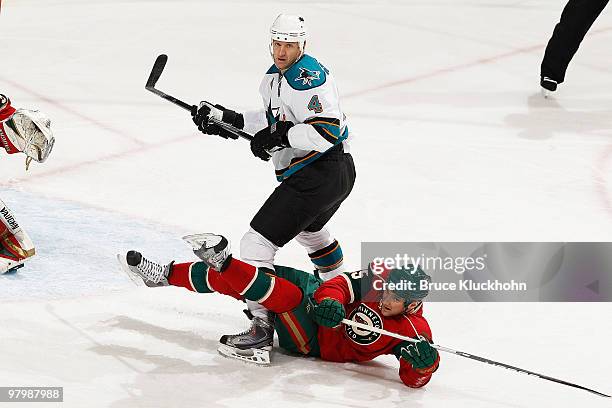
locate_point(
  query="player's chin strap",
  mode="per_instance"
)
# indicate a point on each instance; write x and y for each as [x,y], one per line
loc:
[470,356]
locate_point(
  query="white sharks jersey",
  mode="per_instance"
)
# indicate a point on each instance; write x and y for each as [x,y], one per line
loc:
[306,94]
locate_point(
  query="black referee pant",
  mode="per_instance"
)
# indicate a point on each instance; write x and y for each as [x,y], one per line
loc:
[576,19]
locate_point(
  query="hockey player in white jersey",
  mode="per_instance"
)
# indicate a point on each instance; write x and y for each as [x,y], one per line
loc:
[302,129]
[29,132]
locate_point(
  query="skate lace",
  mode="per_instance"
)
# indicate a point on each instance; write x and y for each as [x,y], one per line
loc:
[243,333]
[252,328]
[151,270]
[246,331]
[217,259]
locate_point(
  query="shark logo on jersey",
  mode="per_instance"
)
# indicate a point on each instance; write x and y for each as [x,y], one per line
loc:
[365,315]
[307,76]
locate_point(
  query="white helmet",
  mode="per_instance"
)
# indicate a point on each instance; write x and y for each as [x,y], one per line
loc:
[289,28]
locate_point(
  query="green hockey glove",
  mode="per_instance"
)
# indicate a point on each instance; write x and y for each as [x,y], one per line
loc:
[420,355]
[329,313]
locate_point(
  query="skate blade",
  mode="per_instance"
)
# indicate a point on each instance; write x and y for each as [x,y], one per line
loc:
[259,357]
[137,280]
[12,269]
[546,93]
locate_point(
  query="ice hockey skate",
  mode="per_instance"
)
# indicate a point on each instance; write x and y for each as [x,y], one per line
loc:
[9,265]
[252,345]
[548,86]
[213,249]
[144,272]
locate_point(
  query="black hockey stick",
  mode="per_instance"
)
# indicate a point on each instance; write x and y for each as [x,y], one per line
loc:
[470,356]
[158,68]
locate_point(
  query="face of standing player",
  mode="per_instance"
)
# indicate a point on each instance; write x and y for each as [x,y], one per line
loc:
[393,305]
[285,54]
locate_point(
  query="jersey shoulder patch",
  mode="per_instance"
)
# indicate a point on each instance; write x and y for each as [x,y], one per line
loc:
[272,70]
[307,73]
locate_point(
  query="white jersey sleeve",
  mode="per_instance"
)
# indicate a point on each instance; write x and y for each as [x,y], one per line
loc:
[254,120]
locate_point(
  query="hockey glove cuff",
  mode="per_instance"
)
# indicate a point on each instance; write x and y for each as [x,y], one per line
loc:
[232,117]
[204,113]
[272,138]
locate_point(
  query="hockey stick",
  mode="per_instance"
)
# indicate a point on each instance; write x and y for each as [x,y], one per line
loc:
[156,71]
[470,356]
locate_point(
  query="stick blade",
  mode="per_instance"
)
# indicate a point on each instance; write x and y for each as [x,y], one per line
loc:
[157,70]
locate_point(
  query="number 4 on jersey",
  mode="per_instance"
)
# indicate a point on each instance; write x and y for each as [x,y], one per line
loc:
[315,105]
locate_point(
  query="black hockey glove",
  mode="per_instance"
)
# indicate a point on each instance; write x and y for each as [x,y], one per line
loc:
[420,355]
[203,113]
[274,136]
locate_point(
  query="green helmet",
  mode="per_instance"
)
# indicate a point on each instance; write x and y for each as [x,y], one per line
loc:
[408,283]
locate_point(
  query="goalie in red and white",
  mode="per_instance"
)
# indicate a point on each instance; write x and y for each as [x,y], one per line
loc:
[28,132]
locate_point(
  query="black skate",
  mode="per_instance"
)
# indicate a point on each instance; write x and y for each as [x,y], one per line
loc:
[141,270]
[252,345]
[548,86]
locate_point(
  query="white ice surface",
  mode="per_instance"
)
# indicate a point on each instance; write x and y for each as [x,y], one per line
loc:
[453,142]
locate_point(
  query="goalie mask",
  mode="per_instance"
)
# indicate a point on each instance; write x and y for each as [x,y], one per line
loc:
[28,131]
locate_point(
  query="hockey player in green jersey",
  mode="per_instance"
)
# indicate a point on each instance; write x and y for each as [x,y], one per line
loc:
[309,310]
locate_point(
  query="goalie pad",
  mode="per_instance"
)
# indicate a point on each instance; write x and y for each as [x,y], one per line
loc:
[15,244]
[8,223]
[28,131]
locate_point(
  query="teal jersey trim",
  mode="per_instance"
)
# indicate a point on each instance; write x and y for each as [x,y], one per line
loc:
[306,74]
[344,134]
[334,130]
[283,174]
[330,259]
[270,116]
[289,171]
[272,70]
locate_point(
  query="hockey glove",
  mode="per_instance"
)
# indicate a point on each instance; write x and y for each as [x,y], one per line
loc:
[420,355]
[329,313]
[26,131]
[204,113]
[272,138]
